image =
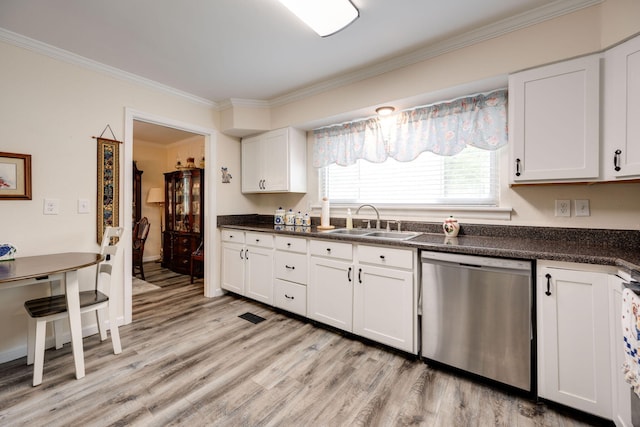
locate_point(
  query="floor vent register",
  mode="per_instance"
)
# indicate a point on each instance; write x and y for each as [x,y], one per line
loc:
[253,318]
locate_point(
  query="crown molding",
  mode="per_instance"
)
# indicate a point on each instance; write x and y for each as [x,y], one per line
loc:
[240,102]
[514,23]
[64,55]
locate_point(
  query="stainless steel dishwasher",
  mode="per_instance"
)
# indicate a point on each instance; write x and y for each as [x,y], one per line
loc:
[477,315]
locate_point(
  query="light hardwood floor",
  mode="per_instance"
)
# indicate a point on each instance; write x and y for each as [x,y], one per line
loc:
[190,360]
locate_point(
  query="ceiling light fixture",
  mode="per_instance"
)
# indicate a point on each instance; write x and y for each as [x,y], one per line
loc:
[325,17]
[385,111]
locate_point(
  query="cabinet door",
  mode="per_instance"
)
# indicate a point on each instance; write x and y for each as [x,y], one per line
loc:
[233,265]
[275,158]
[251,165]
[622,110]
[259,274]
[330,292]
[622,393]
[574,365]
[383,306]
[554,122]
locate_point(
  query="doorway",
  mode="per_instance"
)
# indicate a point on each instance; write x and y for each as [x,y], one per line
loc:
[134,119]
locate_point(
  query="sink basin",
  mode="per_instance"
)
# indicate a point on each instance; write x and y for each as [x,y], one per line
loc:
[399,235]
[350,231]
[375,234]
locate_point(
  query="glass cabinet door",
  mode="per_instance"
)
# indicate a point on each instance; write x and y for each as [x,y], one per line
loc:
[196,202]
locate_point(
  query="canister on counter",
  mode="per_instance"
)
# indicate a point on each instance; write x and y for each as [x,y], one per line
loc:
[290,218]
[278,218]
[299,218]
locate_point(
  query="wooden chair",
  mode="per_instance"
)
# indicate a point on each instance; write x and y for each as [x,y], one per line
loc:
[140,233]
[54,308]
[197,256]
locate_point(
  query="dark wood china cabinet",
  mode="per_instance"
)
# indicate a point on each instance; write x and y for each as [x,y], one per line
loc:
[184,214]
[137,193]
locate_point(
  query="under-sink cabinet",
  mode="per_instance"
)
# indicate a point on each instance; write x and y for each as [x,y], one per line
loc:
[290,280]
[574,353]
[247,260]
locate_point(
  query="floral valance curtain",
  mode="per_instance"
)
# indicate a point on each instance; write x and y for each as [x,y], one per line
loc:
[444,129]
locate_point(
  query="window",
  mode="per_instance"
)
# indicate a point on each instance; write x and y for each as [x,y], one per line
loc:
[468,178]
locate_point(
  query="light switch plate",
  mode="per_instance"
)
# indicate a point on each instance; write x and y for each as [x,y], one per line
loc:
[51,206]
[83,206]
[582,208]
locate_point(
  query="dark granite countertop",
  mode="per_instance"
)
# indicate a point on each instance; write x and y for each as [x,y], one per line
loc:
[620,248]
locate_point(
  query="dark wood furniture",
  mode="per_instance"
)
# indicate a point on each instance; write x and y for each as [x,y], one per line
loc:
[184,216]
[139,237]
[197,261]
[137,193]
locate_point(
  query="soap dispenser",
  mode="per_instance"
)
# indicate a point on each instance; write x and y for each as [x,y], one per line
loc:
[349,219]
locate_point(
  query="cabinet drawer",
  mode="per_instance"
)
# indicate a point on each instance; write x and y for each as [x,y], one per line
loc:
[293,244]
[290,297]
[291,267]
[383,256]
[263,240]
[329,249]
[233,236]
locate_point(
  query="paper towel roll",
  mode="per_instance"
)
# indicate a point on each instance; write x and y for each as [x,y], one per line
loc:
[324,216]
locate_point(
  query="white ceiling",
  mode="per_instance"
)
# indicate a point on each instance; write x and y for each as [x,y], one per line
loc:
[256,49]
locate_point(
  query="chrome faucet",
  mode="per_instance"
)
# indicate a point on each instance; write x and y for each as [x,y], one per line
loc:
[377,214]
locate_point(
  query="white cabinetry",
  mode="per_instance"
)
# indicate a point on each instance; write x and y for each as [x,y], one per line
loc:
[621,155]
[330,288]
[554,118]
[275,162]
[574,357]
[384,301]
[290,290]
[247,260]
[621,389]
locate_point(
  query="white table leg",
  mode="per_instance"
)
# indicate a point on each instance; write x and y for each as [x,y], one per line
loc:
[75,323]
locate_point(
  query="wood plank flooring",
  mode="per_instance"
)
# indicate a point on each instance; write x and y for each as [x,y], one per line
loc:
[190,360]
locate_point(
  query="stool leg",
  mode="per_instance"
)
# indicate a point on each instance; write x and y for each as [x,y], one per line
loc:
[115,333]
[102,327]
[38,364]
[31,339]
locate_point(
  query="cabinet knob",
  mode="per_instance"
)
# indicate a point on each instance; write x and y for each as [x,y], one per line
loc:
[328,250]
[382,257]
[289,245]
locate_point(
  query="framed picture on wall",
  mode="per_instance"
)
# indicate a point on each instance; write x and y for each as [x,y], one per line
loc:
[15,176]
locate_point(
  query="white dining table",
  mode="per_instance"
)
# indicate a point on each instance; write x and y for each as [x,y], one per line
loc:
[59,267]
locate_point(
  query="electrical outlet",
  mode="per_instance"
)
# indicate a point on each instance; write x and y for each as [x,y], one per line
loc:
[563,208]
[582,208]
[51,206]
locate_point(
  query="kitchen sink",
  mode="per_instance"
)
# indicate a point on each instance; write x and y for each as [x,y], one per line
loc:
[375,234]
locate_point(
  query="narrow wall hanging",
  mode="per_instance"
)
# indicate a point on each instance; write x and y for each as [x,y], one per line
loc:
[108,183]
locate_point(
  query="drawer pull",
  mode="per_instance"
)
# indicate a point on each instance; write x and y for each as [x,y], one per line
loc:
[288,297]
[246,254]
[616,160]
[257,240]
[290,267]
[548,292]
[329,250]
[241,251]
[359,275]
[349,274]
[289,244]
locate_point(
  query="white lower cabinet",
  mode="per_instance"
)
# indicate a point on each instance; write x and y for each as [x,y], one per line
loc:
[574,356]
[330,288]
[247,264]
[622,393]
[384,304]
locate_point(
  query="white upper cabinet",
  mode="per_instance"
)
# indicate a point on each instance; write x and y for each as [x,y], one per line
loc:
[621,115]
[554,120]
[275,162]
